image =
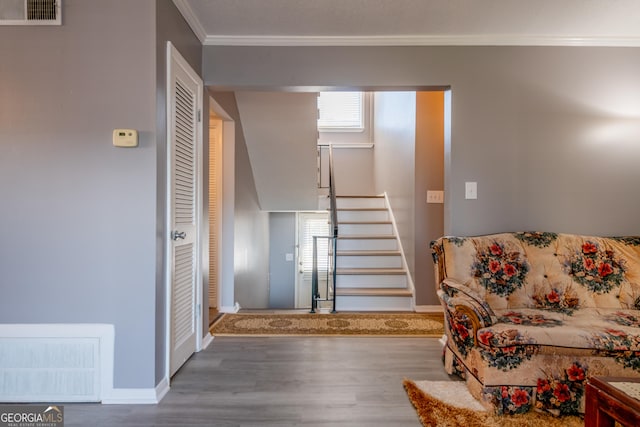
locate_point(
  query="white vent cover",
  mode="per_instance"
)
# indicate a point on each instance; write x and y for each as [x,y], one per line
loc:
[56,362]
[30,12]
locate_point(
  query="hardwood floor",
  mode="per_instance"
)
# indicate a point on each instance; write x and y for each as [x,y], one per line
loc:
[289,381]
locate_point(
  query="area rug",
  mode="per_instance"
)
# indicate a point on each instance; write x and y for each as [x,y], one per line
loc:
[449,404]
[320,324]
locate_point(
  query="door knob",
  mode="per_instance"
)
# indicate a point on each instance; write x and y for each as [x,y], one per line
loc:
[175,235]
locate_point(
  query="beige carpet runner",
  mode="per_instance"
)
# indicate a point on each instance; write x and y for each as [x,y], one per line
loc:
[321,324]
[449,404]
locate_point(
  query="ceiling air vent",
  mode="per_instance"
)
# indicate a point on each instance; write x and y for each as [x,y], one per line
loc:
[30,12]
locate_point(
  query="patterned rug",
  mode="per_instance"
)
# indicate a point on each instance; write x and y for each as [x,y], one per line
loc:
[320,324]
[449,404]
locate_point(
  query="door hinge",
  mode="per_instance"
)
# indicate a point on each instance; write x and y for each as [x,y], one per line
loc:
[199,116]
[198,310]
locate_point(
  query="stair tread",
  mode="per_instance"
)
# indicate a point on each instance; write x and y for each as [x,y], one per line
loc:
[364,222]
[365,252]
[362,209]
[383,292]
[375,196]
[370,271]
[367,236]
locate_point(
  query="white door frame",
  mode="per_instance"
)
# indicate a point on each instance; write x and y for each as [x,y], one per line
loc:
[174,55]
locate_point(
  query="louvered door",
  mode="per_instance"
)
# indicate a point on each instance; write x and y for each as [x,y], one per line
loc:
[185,88]
[311,224]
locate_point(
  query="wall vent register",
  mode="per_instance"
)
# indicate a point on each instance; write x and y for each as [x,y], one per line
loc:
[30,12]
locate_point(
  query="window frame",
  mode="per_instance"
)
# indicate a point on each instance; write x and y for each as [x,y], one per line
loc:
[350,137]
[334,129]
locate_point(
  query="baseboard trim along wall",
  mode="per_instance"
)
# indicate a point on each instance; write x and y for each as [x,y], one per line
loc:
[206,341]
[138,396]
[229,309]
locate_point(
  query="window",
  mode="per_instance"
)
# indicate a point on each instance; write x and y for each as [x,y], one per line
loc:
[341,112]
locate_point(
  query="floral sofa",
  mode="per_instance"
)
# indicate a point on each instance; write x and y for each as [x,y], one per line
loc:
[530,316]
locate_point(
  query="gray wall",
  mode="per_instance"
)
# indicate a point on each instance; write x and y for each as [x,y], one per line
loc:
[78,216]
[281,136]
[251,229]
[394,161]
[171,26]
[353,171]
[83,239]
[282,273]
[531,124]
[549,133]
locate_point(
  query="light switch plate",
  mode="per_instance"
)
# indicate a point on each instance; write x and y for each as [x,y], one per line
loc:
[435,196]
[470,190]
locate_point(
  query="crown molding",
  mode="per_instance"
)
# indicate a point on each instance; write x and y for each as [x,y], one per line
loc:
[192,19]
[421,40]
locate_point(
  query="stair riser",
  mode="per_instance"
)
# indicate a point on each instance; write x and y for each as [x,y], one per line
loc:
[360,202]
[371,281]
[371,303]
[367,245]
[363,216]
[365,229]
[369,261]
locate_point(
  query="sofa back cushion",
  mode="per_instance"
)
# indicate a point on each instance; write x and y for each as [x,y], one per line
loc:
[559,272]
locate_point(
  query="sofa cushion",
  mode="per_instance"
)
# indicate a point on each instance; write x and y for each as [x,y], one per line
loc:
[559,272]
[602,329]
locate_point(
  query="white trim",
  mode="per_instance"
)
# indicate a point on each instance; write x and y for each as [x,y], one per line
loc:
[229,309]
[162,389]
[351,144]
[138,396]
[405,266]
[417,40]
[429,309]
[131,396]
[192,19]
[206,341]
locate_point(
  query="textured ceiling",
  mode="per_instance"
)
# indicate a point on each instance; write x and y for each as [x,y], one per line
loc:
[252,19]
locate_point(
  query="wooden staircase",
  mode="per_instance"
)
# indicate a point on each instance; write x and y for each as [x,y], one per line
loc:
[371,274]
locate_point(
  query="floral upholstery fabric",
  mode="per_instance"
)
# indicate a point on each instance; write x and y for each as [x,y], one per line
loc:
[531,315]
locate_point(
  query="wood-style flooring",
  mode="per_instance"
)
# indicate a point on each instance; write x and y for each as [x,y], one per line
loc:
[288,381]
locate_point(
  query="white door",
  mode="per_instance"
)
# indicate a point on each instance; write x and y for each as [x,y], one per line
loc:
[311,224]
[185,151]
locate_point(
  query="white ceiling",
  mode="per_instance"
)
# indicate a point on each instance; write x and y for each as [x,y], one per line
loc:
[414,22]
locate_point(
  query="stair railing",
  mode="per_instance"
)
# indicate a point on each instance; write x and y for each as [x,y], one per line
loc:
[331,276]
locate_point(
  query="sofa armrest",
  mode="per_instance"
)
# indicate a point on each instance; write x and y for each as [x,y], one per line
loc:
[461,302]
[467,296]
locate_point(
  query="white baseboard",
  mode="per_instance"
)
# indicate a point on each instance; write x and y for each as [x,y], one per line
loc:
[208,339]
[162,389]
[137,396]
[229,308]
[428,309]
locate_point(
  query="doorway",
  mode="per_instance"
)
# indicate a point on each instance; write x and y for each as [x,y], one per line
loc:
[215,181]
[311,224]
